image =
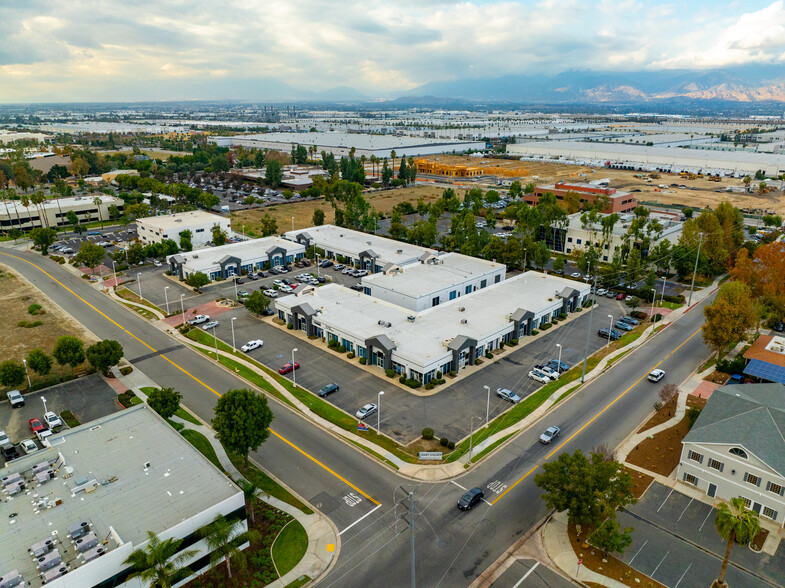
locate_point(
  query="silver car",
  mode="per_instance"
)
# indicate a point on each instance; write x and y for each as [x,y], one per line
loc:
[549,435]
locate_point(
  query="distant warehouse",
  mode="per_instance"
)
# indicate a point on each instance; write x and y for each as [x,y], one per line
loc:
[341,143]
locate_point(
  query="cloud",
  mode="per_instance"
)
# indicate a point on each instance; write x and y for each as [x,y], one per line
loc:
[190,49]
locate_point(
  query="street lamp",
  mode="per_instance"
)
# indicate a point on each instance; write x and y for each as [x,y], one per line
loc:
[487,404]
[558,366]
[166,297]
[182,308]
[234,281]
[653,302]
[662,296]
[294,371]
[610,329]
[243,230]
[114,269]
[139,283]
[471,436]
[318,273]
[44,401]
[215,340]
[379,411]
[234,347]
[29,385]
[292,223]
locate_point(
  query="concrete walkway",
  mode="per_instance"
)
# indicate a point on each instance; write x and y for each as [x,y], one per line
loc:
[322,534]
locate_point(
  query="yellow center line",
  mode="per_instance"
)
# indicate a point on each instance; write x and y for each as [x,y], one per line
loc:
[186,372]
[595,417]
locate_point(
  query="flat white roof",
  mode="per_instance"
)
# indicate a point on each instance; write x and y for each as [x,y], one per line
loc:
[246,251]
[349,140]
[58,203]
[668,222]
[183,219]
[425,340]
[420,279]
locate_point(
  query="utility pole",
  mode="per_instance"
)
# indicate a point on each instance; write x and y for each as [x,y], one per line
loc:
[411,534]
[408,495]
[588,333]
[694,271]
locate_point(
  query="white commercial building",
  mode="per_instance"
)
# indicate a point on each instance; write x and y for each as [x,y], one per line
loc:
[441,338]
[363,250]
[342,143]
[433,280]
[54,211]
[235,259]
[77,509]
[154,229]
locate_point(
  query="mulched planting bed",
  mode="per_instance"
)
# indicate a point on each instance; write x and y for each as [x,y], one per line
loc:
[641,482]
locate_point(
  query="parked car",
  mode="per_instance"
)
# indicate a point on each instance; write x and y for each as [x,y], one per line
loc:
[610,294]
[538,376]
[328,389]
[253,276]
[35,425]
[623,326]
[251,345]
[157,263]
[735,379]
[338,267]
[326,263]
[210,325]
[550,372]
[9,451]
[630,321]
[199,319]
[608,334]
[366,411]
[779,327]
[557,365]
[656,375]
[621,296]
[263,274]
[4,438]
[602,292]
[43,435]
[52,420]
[15,398]
[288,368]
[91,233]
[507,395]
[549,435]
[29,446]
[270,293]
[472,497]
[361,273]
[358,287]
[242,294]
[347,270]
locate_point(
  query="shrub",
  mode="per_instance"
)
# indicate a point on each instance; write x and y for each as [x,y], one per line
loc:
[34,309]
[289,326]
[579,309]
[502,344]
[427,433]
[489,355]
[478,361]
[513,342]
[733,366]
[390,373]
[451,445]
[535,332]
[692,414]
[412,383]
[452,373]
[341,349]
[29,324]
[430,385]
[443,441]
[656,318]
[658,405]
[546,326]
[126,370]
[362,360]
[402,379]
[438,375]
[563,315]
[350,355]
[332,344]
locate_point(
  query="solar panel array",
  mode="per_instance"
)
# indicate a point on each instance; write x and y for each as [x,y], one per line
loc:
[765,371]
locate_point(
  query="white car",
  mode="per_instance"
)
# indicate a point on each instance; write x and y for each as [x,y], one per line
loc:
[549,435]
[199,319]
[43,436]
[279,283]
[550,372]
[507,395]
[538,376]
[366,411]
[270,293]
[255,344]
[576,274]
[157,263]
[602,292]
[29,446]
[52,420]
[656,375]
[4,438]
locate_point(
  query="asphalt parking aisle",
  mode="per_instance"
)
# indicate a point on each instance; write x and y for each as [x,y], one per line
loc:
[527,573]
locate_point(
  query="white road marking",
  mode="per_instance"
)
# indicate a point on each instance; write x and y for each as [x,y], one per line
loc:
[629,563]
[685,509]
[682,576]
[361,518]
[666,500]
[486,502]
[659,564]
[459,486]
[711,510]
[526,575]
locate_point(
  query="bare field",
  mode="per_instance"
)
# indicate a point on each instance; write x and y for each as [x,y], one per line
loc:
[16,295]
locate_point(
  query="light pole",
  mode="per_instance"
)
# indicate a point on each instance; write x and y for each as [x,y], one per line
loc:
[662,296]
[44,401]
[166,297]
[318,273]
[695,270]
[294,371]
[610,329]
[215,340]
[588,332]
[234,347]
[292,223]
[653,302]
[29,385]
[379,411]
[114,269]
[182,307]
[243,230]
[558,366]
[139,283]
[487,404]
[471,436]
[234,281]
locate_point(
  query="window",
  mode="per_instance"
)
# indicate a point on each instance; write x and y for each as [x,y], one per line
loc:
[769,513]
[775,488]
[695,456]
[483,283]
[717,465]
[200,230]
[435,301]
[453,294]
[468,289]
[690,479]
[747,501]
[752,479]
[738,452]
[569,239]
[579,241]
[497,279]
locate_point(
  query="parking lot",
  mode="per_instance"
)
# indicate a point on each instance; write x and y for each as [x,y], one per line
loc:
[675,543]
[123,236]
[527,573]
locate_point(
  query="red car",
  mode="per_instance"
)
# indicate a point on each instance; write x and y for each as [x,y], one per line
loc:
[621,296]
[35,425]
[289,367]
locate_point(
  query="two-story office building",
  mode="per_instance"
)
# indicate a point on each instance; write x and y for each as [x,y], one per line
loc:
[154,229]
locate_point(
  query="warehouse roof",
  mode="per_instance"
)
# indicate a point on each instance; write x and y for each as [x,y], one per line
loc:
[347,140]
[245,251]
[182,219]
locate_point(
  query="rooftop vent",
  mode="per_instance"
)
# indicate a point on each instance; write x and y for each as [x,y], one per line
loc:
[464,321]
[399,250]
[461,308]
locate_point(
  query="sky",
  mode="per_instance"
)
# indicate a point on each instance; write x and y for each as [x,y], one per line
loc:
[109,50]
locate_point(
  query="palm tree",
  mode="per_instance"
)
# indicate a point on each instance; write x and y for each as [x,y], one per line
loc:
[38,198]
[249,490]
[159,563]
[392,156]
[734,522]
[25,201]
[220,537]
[97,201]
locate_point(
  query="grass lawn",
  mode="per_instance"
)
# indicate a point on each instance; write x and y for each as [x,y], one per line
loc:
[70,419]
[671,305]
[266,484]
[126,294]
[201,442]
[301,581]
[289,547]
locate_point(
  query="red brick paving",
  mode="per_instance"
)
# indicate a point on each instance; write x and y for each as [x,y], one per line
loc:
[705,389]
[210,308]
[116,384]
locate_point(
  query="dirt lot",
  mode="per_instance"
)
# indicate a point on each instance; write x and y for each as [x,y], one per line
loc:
[16,295]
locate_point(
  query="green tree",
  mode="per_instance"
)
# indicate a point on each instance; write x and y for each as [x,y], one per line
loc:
[219,235]
[397,230]
[196,280]
[730,317]
[734,522]
[516,190]
[257,302]
[90,255]
[241,421]
[159,563]
[69,350]
[164,401]
[72,218]
[273,173]
[185,240]
[589,489]
[387,173]
[114,212]
[541,254]
[318,217]
[609,538]
[634,265]
[104,354]
[222,541]
[559,263]
[633,303]
[12,373]
[43,238]
[219,163]
[269,225]
[136,253]
[39,362]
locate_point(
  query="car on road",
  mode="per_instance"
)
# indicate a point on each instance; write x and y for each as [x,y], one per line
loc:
[15,398]
[270,293]
[35,425]
[210,325]
[472,497]
[29,446]
[624,326]
[328,389]
[549,435]
[288,368]
[366,411]
[621,296]
[630,321]
[613,335]
[52,420]
[507,395]
[199,319]
[656,375]
[157,263]
[548,371]
[251,345]
[558,365]
[538,376]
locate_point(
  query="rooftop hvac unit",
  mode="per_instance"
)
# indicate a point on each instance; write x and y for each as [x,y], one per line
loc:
[777,348]
[399,250]
[10,579]
[461,309]
[464,321]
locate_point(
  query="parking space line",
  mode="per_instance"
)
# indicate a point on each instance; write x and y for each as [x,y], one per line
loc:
[682,576]
[711,510]
[526,575]
[486,502]
[685,509]
[666,500]
[629,563]
[459,486]
[370,512]
[659,564]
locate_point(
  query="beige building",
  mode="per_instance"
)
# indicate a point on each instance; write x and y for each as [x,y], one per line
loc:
[53,212]
[155,229]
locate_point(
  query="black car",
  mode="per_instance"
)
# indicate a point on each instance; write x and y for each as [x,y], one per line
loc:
[263,274]
[239,281]
[328,389]
[471,498]
[779,327]
[326,263]
[606,334]
[267,312]
[358,287]
[9,451]
[321,279]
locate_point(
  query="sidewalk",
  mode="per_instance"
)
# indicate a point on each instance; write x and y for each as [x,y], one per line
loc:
[323,537]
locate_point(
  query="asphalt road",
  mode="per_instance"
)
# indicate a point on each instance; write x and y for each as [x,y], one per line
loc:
[453,547]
